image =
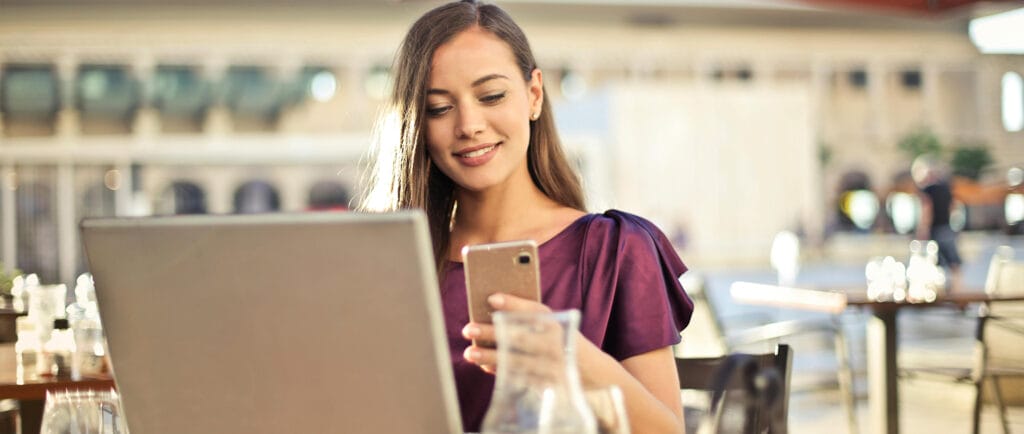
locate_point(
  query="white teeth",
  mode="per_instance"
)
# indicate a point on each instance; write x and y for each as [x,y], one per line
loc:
[477,152]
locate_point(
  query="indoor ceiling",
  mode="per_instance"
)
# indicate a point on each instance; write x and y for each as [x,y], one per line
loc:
[923,6]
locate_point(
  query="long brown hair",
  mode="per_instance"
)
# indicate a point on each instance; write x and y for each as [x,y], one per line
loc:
[403,174]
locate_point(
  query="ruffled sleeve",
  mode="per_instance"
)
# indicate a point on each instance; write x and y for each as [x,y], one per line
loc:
[633,301]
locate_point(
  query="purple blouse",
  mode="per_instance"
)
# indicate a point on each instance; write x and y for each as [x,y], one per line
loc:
[619,270]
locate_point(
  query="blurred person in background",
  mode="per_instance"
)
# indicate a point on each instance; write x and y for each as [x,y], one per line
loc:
[476,148]
[936,195]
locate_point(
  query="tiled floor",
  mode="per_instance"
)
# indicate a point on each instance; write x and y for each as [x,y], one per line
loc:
[925,407]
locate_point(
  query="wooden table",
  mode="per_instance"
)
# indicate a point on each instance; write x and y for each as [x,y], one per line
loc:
[32,393]
[883,395]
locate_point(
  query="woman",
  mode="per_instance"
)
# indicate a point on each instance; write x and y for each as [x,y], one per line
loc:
[478,151]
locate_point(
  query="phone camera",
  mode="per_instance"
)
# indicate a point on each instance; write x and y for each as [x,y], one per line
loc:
[523,258]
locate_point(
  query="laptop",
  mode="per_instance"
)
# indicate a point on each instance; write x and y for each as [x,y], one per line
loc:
[298,323]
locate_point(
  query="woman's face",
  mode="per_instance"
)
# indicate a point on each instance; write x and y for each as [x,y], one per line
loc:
[478,111]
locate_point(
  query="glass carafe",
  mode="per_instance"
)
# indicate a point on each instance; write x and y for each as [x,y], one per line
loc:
[537,387]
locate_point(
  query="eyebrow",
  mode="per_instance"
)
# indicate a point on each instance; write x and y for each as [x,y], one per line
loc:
[475,83]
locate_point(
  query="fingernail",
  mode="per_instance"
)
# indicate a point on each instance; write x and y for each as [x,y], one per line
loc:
[496,300]
[471,331]
[471,354]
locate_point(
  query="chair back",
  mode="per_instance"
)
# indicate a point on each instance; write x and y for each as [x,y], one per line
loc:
[1005,277]
[1005,273]
[756,385]
[1001,326]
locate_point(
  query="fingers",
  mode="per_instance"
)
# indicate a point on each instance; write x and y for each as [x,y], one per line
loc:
[533,367]
[537,347]
[507,302]
[485,358]
[478,331]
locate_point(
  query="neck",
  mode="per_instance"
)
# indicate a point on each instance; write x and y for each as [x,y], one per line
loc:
[505,213]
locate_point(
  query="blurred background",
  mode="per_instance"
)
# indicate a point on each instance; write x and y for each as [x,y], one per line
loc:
[725,121]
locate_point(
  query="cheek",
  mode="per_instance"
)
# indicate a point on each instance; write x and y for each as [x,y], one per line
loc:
[435,140]
[514,122]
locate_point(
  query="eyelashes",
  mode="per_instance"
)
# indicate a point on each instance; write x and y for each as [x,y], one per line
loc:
[493,98]
[489,99]
[438,111]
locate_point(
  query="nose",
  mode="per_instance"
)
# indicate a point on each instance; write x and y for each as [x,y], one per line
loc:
[470,122]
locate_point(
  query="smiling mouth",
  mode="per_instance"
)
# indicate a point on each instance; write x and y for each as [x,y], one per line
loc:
[478,152]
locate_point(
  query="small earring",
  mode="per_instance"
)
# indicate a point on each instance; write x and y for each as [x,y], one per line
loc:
[535,116]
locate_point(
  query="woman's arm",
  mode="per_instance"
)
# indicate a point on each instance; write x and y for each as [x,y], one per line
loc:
[649,382]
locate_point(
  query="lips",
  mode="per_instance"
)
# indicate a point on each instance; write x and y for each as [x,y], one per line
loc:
[477,155]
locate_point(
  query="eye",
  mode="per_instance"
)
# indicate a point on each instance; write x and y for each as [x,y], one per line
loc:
[493,98]
[438,111]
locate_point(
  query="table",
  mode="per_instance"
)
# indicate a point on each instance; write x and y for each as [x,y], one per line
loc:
[31,394]
[883,396]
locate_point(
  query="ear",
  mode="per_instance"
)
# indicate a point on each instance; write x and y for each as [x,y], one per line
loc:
[536,91]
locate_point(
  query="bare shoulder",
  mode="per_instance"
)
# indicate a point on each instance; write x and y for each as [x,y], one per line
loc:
[565,216]
[555,221]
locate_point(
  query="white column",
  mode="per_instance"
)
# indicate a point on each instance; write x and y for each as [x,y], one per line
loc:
[821,73]
[930,76]
[67,236]
[218,119]
[9,218]
[219,183]
[702,69]
[354,93]
[820,84]
[282,74]
[124,196]
[989,101]
[877,83]
[68,124]
[146,124]
[763,72]
[1,113]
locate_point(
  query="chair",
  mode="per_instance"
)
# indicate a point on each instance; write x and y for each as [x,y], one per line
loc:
[1000,334]
[775,332]
[999,339]
[766,403]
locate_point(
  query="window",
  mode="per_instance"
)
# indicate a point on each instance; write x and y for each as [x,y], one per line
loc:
[182,197]
[911,79]
[1013,102]
[328,195]
[106,97]
[858,78]
[94,191]
[29,99]
[181,96]
[313,82]
[36,217]
[256,197]
[253,97]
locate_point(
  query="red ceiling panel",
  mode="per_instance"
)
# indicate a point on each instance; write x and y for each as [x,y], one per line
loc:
[926,6]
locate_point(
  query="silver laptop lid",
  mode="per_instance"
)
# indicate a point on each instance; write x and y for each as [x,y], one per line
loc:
[318,322]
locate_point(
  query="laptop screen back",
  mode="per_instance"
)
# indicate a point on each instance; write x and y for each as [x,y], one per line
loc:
[319,322]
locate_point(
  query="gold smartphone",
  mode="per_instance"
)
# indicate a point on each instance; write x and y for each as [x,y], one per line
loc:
[510,267]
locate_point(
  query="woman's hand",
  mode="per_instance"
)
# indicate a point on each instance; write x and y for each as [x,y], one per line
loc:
[648,381]
[485,357]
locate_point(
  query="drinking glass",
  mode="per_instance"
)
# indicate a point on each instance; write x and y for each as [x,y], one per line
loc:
[609,409]
[83,412]
[537,387]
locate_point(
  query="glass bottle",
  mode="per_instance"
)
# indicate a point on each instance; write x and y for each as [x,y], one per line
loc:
[57,351]
[537,385]
[27,350]
[90,345]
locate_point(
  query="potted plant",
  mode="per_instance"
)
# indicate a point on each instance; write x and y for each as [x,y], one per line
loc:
[970,160]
